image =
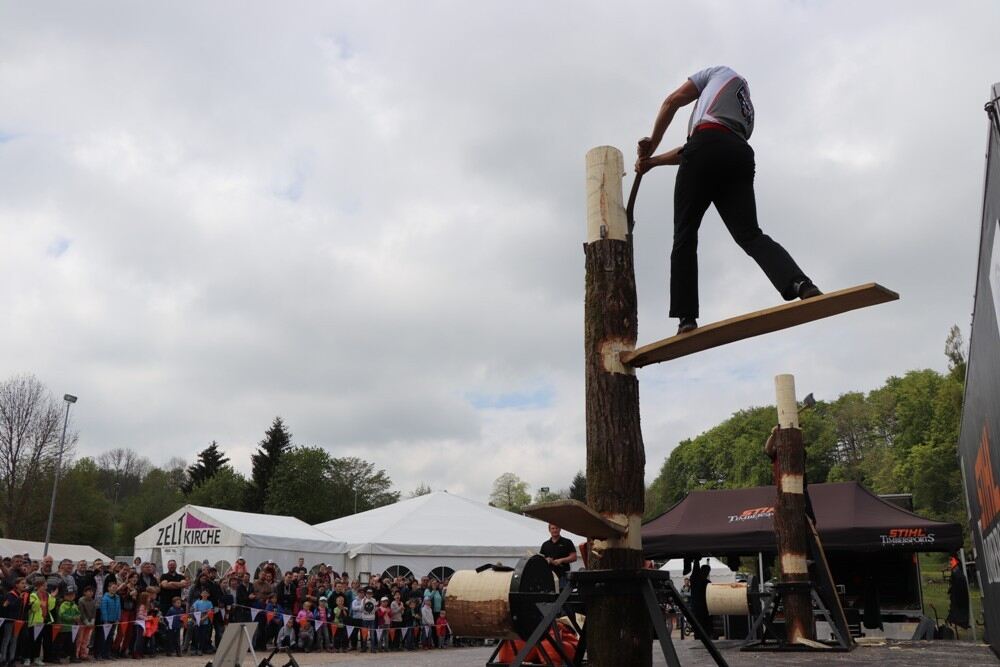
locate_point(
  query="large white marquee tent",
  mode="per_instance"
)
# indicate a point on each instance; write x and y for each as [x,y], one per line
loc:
[75,552]
[436,534]
[194,534]
[720,574]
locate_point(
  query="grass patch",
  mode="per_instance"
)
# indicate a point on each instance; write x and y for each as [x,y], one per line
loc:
[934,581]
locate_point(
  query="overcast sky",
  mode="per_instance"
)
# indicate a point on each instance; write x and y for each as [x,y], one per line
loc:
[367,217]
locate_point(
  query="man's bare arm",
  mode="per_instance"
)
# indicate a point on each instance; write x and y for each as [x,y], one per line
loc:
[686,94]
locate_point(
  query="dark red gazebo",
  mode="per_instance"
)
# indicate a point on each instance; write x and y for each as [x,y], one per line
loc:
[740,522]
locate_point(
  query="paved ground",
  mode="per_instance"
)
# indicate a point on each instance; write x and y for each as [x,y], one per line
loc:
[892,654]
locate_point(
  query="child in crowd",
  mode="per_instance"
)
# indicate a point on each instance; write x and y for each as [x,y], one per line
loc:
[286,636]
[443,631]
[174,614]
[324,641]
[67,617]
[11,610]
[88,614]
[139,632]
[202,607]
[111,613]
[427,621]
[305,619]
[340,618]
[274,626]
[383,615]
[38,614]
[411,624]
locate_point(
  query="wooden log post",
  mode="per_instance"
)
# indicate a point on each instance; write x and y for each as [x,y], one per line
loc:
[618,629]
[790,513]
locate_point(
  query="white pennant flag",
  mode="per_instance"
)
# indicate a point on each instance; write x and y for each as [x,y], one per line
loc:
[253,613]
[73,630]
[197,617]
[223,612]
[141,624]
[403,636]
[106,627]
[285,618]
[1,621]
[37,629]
[378,633]
[427,631]
[317,624]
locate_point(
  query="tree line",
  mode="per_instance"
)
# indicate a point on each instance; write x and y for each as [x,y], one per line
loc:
[107,500]
[899,438]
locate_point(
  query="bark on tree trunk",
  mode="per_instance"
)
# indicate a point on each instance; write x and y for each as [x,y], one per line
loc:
[790,512]
[618,630]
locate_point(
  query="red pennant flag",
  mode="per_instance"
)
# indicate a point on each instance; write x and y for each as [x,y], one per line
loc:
[364,634]
[18,626]
[211,615]
[303,623]
[184,619]
[270,616]
[151,625]
[55,631]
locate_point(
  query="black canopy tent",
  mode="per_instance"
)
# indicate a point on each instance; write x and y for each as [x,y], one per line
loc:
[741,522]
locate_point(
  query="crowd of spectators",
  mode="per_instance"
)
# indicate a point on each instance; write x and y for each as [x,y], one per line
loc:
[101,611]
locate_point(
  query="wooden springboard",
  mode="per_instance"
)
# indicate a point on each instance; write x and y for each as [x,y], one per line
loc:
[758,323]
[576,517]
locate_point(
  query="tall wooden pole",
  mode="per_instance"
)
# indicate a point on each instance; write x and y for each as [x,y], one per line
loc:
[790,513]
[618,629]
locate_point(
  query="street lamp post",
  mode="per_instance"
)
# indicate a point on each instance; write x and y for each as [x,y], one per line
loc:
[70,399]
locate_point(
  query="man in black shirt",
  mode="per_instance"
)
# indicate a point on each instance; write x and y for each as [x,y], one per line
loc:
[559,552]
[172,583]
[300,569]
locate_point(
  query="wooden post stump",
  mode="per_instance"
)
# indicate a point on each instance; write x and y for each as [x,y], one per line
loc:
[618,629]
[790,513]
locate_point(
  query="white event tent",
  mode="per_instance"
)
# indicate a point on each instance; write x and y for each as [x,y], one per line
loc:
[436,534]
[720,574]
[194,534]
[75,552]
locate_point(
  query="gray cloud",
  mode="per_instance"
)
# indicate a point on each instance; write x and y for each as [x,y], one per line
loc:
[360,215]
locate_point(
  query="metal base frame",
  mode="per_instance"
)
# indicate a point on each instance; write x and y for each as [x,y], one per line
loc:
[765,621]
[653,586]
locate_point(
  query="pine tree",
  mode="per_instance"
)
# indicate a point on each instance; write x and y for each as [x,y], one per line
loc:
[210,461]
[578,487]
[265,462]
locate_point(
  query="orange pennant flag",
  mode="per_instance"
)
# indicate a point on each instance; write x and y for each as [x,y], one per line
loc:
[392,634]
[211,615]
[18,626]
[303,623]
[151,625]
[55,631]
[184,619]
[364,634]
[270,616]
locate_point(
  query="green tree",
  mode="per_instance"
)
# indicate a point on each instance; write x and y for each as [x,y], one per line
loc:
[157,497]
[359,483]
[210,461]
[83,512]
[265,462]
[302,486]
[547,496]
[578,487]
[954,349]
[226,489]
[421,490]
[510,493]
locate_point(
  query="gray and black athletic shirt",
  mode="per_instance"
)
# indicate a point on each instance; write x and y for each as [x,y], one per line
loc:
[724,98]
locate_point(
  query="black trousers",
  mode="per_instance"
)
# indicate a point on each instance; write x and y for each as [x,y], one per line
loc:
[717,167]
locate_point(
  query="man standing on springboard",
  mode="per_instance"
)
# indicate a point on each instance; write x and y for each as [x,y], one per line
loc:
[716,167]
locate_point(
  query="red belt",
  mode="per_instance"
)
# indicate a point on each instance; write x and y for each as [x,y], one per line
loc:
[711,126]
